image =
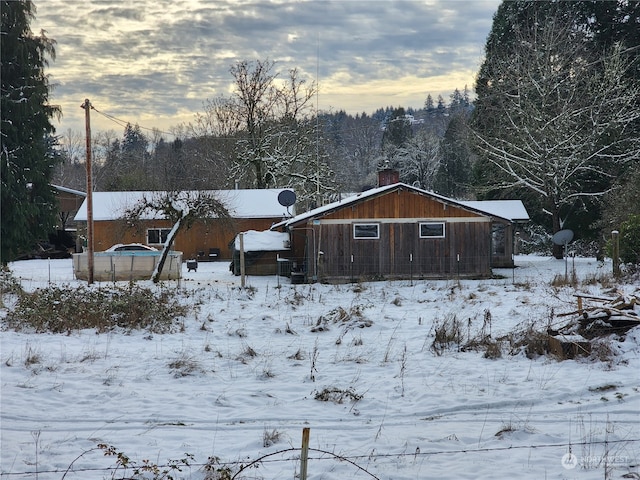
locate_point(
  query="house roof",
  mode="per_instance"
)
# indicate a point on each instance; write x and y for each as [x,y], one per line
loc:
[60,188]
[250,203]
[267,240]
[513,210]
[510,210]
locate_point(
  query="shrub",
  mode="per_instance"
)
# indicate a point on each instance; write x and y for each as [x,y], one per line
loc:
[535,240]
[64,309]
[337,395]
[532,342]
[493,350]
[9,283]
[630,240]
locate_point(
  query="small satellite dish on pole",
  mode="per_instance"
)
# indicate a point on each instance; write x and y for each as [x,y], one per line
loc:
[563,237]
[287,198]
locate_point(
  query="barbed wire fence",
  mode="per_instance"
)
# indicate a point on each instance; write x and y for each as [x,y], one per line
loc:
[295,455]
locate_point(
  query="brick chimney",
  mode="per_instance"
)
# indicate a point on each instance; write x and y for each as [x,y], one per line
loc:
[388,176]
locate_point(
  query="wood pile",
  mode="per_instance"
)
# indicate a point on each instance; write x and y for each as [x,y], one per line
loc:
[603,316]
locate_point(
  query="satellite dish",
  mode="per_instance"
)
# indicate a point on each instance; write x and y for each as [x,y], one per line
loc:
[286,198]
[562,237]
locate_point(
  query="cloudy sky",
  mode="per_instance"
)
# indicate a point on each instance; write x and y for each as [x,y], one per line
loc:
[154,62]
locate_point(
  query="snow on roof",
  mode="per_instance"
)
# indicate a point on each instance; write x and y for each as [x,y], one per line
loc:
[250,203]
[334,205]
[268,240]
[69,190]
[513,210]
[497,208]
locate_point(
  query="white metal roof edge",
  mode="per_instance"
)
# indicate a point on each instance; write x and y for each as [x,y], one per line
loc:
[69,190]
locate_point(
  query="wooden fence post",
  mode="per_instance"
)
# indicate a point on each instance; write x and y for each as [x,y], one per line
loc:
[304,454]
[242,260]
[615,240]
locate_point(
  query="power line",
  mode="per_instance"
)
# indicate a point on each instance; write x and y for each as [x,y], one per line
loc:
[124,123]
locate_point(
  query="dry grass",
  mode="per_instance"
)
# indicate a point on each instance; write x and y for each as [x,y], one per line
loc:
[337,395]
[448,334]
[270,437]
[184,365]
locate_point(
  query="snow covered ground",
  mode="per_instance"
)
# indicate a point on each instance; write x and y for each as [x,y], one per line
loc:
[256,359]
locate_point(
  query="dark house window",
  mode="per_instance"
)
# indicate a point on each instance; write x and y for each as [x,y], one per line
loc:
[432,230]
[157,236]
[366,230]
[498,239]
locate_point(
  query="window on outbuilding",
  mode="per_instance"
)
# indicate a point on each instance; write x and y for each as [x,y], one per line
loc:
[366,230]
[498,239]
[157,236]
[432,230]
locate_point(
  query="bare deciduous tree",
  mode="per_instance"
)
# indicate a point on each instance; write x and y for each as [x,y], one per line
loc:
[71,171]
[265,131]
[551,122]
[182,208]
[419,159]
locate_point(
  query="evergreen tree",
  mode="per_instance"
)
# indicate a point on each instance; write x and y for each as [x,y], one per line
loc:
[127,165]
[397,130]
[457,100]
[454,172]
[26,158]
[134,144]
[429,105]
[441,108]
[465,97]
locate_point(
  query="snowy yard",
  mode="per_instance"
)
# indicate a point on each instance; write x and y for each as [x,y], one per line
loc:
[249,368]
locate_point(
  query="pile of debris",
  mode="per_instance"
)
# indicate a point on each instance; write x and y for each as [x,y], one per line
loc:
[604,316]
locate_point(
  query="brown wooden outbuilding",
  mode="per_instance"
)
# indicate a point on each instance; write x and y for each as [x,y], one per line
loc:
[399,231]
[69,202]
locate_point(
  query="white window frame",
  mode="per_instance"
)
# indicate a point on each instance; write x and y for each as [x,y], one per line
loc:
[366,237]
[162,233]
[442,224]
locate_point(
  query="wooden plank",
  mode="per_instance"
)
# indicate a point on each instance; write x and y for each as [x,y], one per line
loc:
[593,297]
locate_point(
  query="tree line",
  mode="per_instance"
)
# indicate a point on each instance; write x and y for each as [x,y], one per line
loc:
[325,154]
[554,122]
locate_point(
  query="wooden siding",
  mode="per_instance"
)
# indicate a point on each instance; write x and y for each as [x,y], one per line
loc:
[400,204]
[400,252]
[199,238]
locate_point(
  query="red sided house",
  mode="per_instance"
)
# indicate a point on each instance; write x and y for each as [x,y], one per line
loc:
[399,231]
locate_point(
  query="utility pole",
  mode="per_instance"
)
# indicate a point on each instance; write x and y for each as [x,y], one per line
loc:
[87,109]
